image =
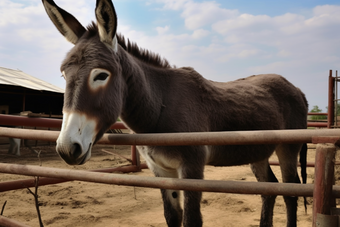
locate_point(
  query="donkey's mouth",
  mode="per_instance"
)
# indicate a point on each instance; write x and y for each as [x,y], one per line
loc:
[86,156]
[74,154]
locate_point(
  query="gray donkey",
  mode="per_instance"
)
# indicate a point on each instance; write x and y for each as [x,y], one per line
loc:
[108,77]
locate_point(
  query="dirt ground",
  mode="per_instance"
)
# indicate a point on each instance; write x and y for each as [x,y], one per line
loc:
[88,204]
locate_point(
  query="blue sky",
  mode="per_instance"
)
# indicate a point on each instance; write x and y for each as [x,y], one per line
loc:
[222,40]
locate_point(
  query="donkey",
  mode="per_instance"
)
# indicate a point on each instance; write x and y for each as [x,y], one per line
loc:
[108,77]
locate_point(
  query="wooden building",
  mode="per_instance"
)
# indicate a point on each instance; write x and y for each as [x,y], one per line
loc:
[21,92]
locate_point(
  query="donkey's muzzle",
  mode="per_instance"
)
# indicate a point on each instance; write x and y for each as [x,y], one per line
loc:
[73,154]
[76,138]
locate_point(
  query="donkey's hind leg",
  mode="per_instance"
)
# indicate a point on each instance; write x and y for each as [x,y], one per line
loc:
[264,173]
[288,156]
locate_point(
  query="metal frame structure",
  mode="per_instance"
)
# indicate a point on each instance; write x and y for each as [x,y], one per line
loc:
[333,99]
[336,80]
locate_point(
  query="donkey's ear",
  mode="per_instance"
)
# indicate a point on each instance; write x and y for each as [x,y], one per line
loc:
[107,22]
[67,24]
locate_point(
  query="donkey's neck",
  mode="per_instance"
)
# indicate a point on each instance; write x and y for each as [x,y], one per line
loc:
[143,102]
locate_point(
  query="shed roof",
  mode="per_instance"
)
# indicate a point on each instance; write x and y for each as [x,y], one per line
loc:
[19,78]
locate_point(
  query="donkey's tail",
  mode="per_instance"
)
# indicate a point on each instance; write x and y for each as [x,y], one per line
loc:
[303,164]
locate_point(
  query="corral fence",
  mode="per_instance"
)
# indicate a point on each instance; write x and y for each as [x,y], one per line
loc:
[323,191]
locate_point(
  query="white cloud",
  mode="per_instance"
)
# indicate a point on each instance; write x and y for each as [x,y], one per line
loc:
[289,24]
[174,4]
[17,14]
[200,33]
[288,35]
[326,10]
[198,14]
[244,23]
[162,30]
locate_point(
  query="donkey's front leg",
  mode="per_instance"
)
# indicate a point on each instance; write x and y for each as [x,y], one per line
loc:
[193,169]
[171,198]
[192,213]
[172,209]
[163,164]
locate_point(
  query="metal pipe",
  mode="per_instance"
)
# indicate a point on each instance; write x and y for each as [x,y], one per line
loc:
[330,100]
[29,134]
[312,113]
[317,124]
[185,139]
[27,183]
[309,164]
[30,122]
[12,120]
[19,184]
[261,188]
[336,98]
[220,138]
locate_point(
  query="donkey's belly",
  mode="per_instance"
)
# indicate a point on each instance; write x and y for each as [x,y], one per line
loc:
[159,159]
[239,154]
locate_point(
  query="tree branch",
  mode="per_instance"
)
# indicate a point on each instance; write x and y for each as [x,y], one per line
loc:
[35,195]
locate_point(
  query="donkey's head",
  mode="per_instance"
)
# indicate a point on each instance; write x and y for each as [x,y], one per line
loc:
[94,84]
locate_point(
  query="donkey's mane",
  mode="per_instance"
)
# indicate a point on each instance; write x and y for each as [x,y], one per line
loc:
[132,48]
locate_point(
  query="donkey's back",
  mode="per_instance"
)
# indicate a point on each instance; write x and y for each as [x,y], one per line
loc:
[261,102]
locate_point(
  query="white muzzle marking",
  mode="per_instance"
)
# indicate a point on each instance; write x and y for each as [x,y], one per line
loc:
[76,138]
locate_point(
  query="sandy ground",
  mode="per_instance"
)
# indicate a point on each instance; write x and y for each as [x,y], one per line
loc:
[88,204]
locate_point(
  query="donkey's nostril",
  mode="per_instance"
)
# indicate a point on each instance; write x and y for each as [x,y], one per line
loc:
[76,151]
[71,154]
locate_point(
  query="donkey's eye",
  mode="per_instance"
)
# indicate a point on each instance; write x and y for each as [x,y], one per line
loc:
[101,76]
[98,78]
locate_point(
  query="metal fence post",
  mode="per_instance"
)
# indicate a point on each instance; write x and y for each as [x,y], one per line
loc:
[330,100]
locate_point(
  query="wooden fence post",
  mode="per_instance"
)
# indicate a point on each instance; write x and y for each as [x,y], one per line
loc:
[323,182]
